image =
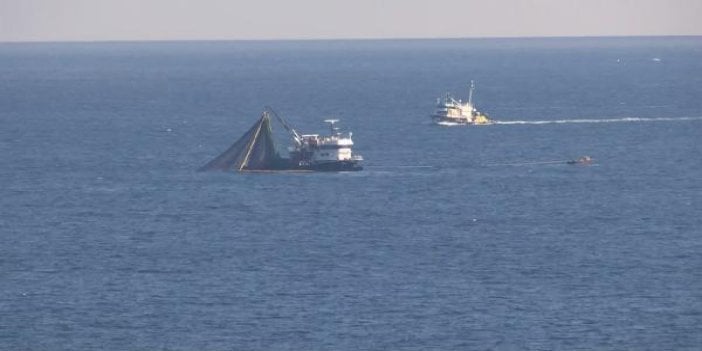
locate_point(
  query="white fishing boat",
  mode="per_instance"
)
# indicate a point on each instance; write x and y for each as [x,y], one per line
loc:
[325,152]
[452,111]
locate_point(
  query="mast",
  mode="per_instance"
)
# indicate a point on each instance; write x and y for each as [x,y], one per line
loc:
[470,93]
[253,141]
[331,125]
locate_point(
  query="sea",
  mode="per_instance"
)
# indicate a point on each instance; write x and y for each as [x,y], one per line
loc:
[451,238]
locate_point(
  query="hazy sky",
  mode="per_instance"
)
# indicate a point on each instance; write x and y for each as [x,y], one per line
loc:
[58,20]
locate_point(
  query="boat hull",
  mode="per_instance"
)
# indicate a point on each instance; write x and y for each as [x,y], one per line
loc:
[334,166]
[297,166]
[463,121]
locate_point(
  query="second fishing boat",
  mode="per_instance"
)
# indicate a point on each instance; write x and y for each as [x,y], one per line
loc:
[450,111]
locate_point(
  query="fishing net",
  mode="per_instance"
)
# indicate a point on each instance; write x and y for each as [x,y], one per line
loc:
[255,150]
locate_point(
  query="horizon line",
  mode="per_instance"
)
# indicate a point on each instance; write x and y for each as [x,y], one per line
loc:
[87,41]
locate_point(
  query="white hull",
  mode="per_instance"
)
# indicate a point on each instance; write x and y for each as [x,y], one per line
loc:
[448,121]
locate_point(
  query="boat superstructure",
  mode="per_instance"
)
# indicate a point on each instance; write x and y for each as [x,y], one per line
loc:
[450,110]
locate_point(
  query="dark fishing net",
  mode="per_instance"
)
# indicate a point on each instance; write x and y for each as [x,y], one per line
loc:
[255,150]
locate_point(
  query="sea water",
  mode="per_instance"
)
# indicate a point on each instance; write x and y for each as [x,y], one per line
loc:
[452,238]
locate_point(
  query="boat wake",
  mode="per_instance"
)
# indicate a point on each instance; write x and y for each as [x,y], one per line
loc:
[528,163]
[536,163]
[398,166]
[604,120]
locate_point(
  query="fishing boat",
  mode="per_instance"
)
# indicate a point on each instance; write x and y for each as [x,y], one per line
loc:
[325,152]
[256,150]
[452,111]
[583,160]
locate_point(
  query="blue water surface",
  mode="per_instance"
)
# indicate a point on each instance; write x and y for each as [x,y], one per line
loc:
[452,238]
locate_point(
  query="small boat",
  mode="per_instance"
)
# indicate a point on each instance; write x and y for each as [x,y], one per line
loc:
[583,160]
[452,111]
[256,150]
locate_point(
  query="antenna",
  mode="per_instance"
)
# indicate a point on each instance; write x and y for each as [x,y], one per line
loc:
[331,125]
